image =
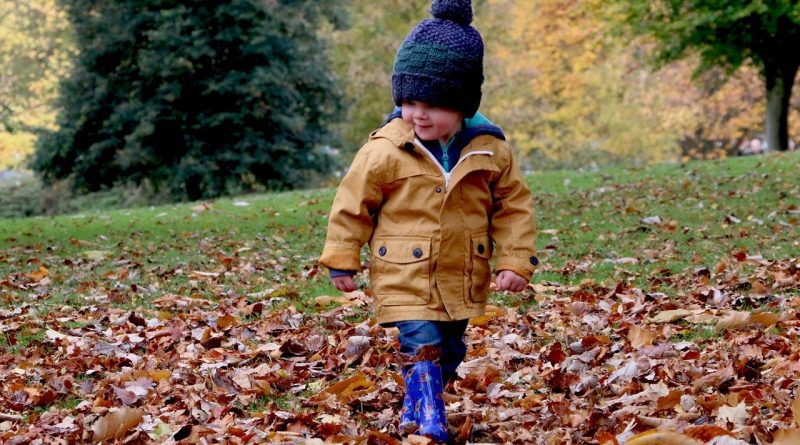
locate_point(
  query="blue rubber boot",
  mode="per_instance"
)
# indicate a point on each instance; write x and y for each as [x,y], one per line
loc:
[424,388]
[408,422]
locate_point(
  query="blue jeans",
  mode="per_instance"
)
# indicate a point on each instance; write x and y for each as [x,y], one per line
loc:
[448,336]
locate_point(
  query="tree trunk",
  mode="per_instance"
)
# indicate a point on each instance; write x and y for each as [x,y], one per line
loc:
[780,79]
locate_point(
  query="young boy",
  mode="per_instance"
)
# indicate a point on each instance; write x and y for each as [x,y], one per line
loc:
[435,192]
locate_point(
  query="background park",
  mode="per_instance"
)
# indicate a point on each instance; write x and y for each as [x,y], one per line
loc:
[166,170]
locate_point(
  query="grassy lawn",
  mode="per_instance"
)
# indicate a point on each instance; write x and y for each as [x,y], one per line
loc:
[256,330]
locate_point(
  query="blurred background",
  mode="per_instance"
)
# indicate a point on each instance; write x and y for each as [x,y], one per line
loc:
[185,100]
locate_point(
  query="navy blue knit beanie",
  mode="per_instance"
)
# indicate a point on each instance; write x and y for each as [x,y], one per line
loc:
[441,61]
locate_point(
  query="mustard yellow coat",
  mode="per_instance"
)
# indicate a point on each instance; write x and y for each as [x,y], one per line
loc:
[430,233]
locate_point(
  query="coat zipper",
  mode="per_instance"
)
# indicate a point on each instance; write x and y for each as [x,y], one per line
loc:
[445,173]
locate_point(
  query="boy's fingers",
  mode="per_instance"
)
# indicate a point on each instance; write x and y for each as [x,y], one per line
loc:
[348,284]
[500,282]
[344,284]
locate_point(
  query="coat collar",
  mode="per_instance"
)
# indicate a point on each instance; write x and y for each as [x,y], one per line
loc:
[397,131]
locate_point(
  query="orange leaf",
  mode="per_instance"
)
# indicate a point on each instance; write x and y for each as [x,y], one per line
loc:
[606,438]
[381,439]
[796,409]
[117,424]
[734,320]
[40,274]
[226,321]
[640,337]
[786,437]
[347,386]
[670,400]
[656,437]
[706,432]
[765,319]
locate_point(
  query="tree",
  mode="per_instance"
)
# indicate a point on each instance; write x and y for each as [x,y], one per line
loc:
[198,98]
[729,33]
[363,58]
[35,52]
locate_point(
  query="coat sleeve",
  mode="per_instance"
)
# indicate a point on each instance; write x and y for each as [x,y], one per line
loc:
[513,226]
[350,223]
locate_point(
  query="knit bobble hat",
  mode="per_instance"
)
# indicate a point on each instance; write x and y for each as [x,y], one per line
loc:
[441,60]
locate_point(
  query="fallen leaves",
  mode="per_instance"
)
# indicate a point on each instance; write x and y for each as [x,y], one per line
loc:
[650,329]
[116,424]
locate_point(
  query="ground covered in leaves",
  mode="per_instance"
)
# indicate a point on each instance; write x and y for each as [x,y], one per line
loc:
[665,311]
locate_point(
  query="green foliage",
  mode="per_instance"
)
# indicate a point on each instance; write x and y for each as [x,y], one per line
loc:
[363,58]
[200,99]
[728,33]
[567,92]
[724,32]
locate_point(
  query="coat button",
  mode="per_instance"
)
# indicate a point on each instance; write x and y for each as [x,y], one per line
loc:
[417,252]
[382,250]
[438,190]
[534,261]
[481,248]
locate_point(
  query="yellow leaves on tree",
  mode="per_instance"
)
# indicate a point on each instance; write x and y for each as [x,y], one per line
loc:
[568,89]
[34,55]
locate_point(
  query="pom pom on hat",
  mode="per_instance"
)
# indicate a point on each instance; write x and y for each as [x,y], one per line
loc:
[459,11]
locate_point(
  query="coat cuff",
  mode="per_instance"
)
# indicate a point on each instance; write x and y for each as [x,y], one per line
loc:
[523,267]
[341,273]
[340,257]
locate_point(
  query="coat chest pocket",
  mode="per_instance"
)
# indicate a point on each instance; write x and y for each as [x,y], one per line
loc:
[400,270]
[481,276]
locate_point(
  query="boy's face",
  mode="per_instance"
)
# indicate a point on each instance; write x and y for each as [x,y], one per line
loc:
[430,122]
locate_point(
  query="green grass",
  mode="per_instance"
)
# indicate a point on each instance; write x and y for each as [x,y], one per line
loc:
[12,342]
[699,333]
[590,229]
[269,403]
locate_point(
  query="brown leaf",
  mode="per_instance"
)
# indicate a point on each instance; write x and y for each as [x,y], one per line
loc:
[491,313]
[657,437]
[705,433]
[41,273]
[376,438]
[734,414]
[796,409]
[765,318]
[346,387]
[464,431]
[669,401]
[556,354]
[672,315]
[734,320]
[224,382]
[640,337]
[417,440]
[786,437]
[115,425]
[226,321]
[606,438]
[126,396]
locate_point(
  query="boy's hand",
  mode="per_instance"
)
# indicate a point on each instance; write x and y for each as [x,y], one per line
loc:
[508,280]
[344,283]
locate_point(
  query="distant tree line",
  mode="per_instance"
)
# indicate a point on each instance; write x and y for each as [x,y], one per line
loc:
[198,98]
[202,99]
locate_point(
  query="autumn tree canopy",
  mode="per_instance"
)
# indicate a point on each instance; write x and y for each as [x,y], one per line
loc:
[729,33]
[35,52]
[566,88]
